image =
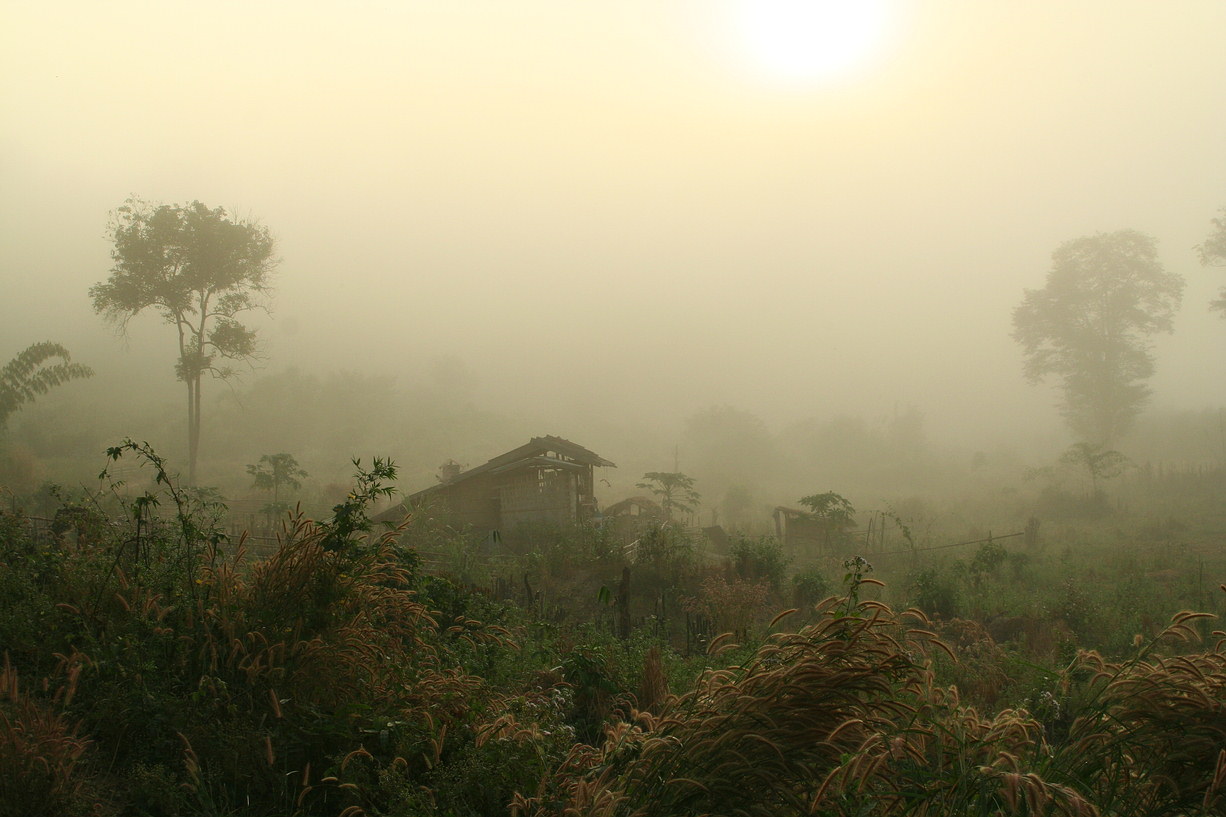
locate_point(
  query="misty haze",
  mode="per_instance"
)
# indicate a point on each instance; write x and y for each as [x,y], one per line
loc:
[552,408]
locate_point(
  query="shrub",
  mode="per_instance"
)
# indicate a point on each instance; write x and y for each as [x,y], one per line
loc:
[758,560]
[934,592]
[734,606]
[809,587]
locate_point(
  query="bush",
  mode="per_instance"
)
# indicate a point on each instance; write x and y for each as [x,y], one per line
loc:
[934,592]
[809,587]
[758,560]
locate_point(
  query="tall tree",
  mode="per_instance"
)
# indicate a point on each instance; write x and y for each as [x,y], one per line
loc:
[1090,327]
[1213,254]
[199,268]
[29,374]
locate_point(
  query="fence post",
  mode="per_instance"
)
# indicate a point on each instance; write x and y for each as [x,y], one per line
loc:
[623,605]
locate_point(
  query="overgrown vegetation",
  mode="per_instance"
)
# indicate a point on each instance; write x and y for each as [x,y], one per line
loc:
[153,666]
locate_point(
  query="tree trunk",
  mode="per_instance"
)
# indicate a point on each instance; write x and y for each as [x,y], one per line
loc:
[193,427]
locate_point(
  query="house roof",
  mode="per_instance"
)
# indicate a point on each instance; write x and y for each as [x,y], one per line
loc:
[542,446]
[643,503]
[548,451]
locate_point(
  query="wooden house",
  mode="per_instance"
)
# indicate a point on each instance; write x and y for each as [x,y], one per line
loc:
[798,531]
[548,481]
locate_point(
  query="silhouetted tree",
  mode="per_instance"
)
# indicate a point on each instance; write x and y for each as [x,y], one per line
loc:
[675,490]
[198,268]
[274,471]
[1097,463]
[1213,254]
[1089,327]
[29,374]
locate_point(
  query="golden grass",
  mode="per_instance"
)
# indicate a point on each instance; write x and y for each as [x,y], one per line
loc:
[843,718]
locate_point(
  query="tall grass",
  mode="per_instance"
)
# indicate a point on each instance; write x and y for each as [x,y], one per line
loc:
[843,718]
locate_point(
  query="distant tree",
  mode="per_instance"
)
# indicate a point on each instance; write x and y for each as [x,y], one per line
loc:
[274,471]
[198,268]
[674,489]
[1096,462]
[1213,253]
[737,505]
[833,514]
[1089,327]
[727,445]
[29,374]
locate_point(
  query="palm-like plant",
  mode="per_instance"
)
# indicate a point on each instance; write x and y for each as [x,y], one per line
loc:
[30,374]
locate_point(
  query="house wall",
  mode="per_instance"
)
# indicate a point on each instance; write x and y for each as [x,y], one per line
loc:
[534,496]
[474,502]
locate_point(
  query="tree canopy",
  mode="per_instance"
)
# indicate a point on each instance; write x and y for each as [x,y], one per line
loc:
[199,268]
[833,513]
[674,489]
[1213,254]
[273,472]
[1089,327]
[28,375]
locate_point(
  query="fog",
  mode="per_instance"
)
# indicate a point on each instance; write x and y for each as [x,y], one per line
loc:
[598,219]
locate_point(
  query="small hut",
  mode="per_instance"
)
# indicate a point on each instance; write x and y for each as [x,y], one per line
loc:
[549,481]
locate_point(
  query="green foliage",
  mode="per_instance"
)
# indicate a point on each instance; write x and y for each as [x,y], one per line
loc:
[810,586]
[274,471]
[28,375]
[1088,327]
[833,514]
[335,675]
[350,518]
[674,489]
[1076,608]
[934,591]
[663,545]
[857,568]
[759,559]
[988,559]
[212,685]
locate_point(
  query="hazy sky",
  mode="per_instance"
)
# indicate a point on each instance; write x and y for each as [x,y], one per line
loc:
[614,204]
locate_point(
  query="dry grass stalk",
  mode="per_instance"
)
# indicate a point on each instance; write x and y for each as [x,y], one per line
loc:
[40,751]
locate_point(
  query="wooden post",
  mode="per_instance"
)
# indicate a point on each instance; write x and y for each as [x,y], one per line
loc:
[623,605]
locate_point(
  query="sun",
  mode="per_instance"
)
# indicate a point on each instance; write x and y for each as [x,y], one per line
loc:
[810,41]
